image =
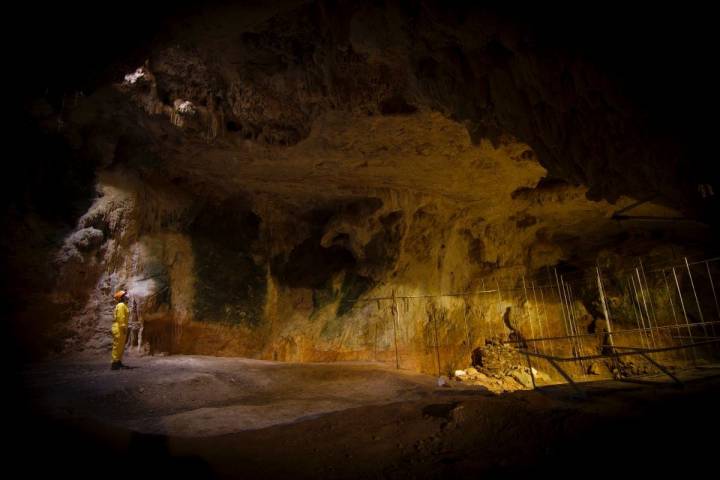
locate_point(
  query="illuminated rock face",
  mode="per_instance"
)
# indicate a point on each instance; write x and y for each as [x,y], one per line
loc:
[286,267]
[261,187]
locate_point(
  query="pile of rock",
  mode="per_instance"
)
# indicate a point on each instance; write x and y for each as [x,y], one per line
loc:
[517,377]
[497,357]
[500,368]
[629,369]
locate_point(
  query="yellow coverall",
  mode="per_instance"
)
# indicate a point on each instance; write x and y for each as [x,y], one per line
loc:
[119,330]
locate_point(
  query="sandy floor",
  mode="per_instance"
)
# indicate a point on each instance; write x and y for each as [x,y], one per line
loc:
[235,418]
[206,396]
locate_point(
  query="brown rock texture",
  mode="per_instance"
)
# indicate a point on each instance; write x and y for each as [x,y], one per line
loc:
[301,182]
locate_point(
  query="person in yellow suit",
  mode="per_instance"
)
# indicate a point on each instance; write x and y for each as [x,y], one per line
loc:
[119,329]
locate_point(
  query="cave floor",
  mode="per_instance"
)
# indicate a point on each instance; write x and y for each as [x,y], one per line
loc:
[240,418]
[206,396]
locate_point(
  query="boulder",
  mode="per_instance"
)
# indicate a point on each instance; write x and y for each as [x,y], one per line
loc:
[87,239]
[494,357]
[522,375]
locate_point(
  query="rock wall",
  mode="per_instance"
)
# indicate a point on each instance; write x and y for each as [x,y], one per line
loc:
[312,276]
[267,188]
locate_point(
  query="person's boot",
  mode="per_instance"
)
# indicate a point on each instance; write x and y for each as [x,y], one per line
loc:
[115,366]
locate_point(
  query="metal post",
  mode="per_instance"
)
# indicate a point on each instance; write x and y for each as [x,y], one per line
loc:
[467,330]
[643,340]
[607,305]
[566,296]
[565,321]
[574,307]
[649,296]
[682,304]
[500,310]
[394,314]
[578,338]
[573,316]
[572,334]
[527,310]
[537,315]
[375,345]
[605,308]
[712,287]
[437,342]
[642,319]
[697,301]
[672,307]
[647,312]
[547,327]
[490,325]
[562,303]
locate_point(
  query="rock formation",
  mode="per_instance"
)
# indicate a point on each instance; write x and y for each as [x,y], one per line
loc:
[277,182]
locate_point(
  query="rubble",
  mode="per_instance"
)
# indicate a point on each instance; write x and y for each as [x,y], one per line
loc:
[594,369]
[497,357]
[500,368]
[629,369]
[522,375]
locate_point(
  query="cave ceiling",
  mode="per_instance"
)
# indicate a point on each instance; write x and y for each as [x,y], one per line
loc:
[314,102]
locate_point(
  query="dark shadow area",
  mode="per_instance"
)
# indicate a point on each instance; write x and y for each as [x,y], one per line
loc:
[231,285]
[352,288]
[81,450]
[396,105]
[311,265]
[47,186]
[660,436]
[440,410]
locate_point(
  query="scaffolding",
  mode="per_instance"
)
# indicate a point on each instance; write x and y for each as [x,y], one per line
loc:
[661,313]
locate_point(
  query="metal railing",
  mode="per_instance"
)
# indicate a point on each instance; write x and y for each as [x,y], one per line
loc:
[629,351]
[670,306]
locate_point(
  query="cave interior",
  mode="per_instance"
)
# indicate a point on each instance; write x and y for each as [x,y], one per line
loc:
[400,239]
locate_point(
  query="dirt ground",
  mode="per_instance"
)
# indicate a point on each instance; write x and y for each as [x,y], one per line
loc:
[196,396]
[206,417]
